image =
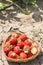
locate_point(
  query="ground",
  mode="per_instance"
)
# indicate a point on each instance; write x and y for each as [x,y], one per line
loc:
[31,25]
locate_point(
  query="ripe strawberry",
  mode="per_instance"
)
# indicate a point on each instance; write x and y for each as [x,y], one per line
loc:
[7,48]
[17,49]
[23,37]
[15,35]
[13,40]
[28,42]
[23,55]
[26,49]
[20,44]
[34,50]
[11,54]
[30,54]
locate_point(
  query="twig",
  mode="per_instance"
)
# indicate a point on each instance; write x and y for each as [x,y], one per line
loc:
[25,12]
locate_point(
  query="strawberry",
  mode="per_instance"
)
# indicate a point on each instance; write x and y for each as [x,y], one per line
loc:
[26,49]
[20,44]
[23,55]
[7,48]
[17,49]
[28,42]
[13,40]
[11,54]
[30,54]
[34,50]
[22,37]
[15,35]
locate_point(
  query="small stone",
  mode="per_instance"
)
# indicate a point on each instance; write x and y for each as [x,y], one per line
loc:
[1,63]
[2,22]
[7,28]
[26,28]
[37,16]
[0,28]
[29,35]
[42,63]
[37,27]
[12,21]
[15,25]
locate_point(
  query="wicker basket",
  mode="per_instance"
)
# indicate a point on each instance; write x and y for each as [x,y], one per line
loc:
[21,60]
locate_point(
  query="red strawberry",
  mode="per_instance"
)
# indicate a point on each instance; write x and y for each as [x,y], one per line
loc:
[23,37]
[11,47]
[13,40]
[11,54]
[26,49]
[23,55]
[17,49]
[28,42]
[32,47]
[15,35]
[30,54]
[20,44]
[7,48]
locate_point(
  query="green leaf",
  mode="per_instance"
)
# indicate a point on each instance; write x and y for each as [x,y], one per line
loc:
[8,47]
[3,6]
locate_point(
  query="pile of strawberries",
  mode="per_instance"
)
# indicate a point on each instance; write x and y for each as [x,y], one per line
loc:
[19,47]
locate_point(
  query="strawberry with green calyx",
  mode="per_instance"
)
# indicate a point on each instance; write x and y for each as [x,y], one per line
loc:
[20,43]
[13,40]
[7,48]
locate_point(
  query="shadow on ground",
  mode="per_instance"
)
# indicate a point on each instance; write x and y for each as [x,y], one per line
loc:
[11,13]
[36,61]
[38,14]
[8,15]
